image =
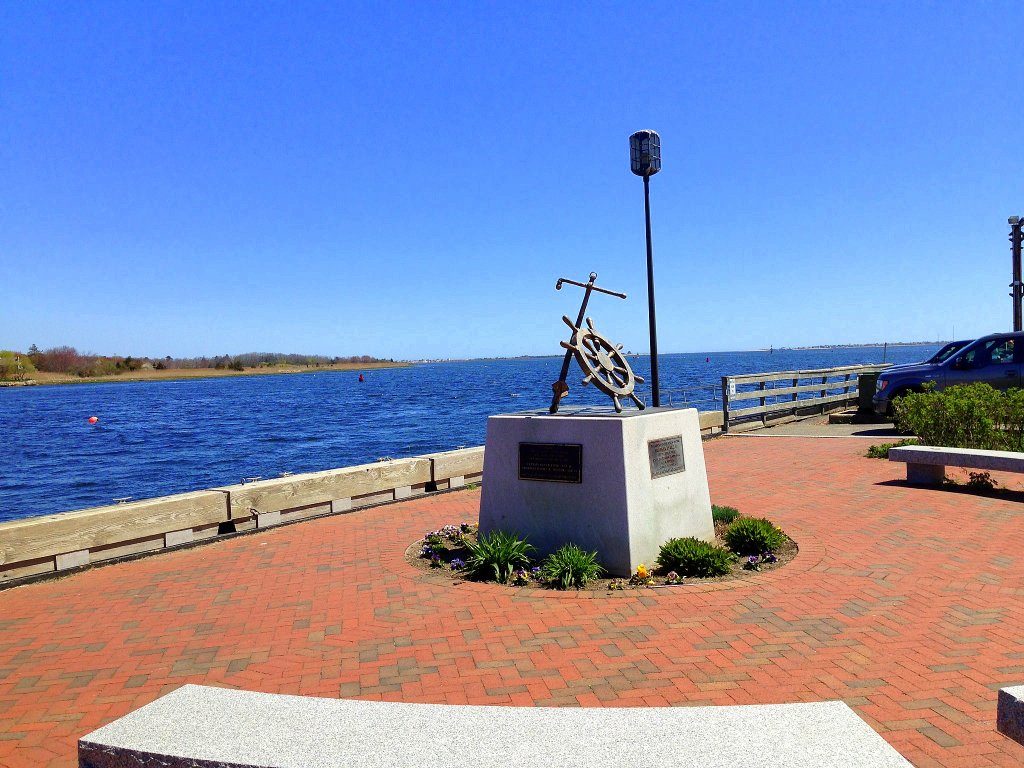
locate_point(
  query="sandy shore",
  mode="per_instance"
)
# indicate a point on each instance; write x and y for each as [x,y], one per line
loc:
[40,378]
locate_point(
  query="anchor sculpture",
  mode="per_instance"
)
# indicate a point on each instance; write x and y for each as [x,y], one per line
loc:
[602,362]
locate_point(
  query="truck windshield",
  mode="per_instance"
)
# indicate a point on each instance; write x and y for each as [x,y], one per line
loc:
[947,351]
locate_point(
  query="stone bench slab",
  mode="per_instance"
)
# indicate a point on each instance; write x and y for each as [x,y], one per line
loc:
[1010,713]
[203,727]
[1002,461]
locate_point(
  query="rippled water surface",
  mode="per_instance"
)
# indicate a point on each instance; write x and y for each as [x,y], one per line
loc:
[156,438]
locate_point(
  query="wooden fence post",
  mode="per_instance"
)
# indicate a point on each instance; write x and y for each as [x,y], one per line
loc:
[725,403]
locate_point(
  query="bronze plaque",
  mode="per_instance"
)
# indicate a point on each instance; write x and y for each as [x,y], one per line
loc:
[666,456]
[551,462]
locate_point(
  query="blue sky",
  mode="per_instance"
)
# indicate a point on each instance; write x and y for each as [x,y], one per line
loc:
[409,180]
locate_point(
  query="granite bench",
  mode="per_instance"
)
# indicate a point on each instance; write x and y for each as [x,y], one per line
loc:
[1010,713]
[199,726]
[926,464]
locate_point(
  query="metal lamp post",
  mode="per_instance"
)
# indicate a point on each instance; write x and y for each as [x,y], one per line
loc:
[645,160]
[1016,287]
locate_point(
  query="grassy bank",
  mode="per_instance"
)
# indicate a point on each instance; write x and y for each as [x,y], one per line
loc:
[171,374]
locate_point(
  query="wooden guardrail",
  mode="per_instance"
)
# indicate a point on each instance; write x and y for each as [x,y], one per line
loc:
[779,394]
[53,543]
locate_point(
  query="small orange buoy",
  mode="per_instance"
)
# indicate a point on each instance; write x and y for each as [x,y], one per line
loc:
[94,419]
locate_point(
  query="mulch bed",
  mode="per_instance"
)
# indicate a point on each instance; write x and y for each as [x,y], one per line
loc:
[449,550]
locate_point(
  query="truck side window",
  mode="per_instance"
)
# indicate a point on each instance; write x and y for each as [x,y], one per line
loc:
[1001,351]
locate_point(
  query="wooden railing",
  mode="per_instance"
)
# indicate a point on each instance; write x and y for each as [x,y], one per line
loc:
[787,393]
[36,546]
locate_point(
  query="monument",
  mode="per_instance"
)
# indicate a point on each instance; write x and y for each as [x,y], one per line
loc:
[621,481]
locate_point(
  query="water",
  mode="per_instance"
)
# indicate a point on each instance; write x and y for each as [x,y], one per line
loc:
[157,438]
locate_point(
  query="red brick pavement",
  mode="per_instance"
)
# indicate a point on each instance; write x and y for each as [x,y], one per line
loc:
[904,602]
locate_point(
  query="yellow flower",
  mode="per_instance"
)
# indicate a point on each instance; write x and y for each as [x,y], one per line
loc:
[641,571]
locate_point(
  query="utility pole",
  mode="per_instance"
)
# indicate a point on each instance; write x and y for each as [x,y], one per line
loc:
[1016,287]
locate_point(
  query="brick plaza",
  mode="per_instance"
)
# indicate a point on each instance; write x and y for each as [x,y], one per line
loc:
[903,602]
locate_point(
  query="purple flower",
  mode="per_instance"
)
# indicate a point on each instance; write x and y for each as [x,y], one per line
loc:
[457,564]
[752,559]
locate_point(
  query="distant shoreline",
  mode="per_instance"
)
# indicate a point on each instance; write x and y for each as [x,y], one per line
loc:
[630,353]
[187,374]
[857,346]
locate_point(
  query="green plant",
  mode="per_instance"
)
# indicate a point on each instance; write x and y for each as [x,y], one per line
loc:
[15,366]
[980,481]
[882,451]
[753,536]
[496,555]
[724,514]
[570,566]
[693,557]
[964,416]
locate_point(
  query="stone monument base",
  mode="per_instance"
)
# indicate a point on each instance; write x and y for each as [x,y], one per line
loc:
[620,484]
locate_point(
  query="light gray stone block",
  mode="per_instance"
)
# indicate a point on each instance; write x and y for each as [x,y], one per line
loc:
[999,461]
[1010,713]
[178,537]
[216,727]
[926,474]
[72,559]
[403,492]
[456,482]
[626,506]
[341,505]
[267,519]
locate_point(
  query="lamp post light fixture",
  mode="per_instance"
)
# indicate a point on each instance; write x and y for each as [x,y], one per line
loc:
[645,160]
[1016,287]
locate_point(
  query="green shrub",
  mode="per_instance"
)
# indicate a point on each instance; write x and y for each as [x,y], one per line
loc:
[964,416]
[496,554]
[882,451]
[980,481]
[15,366]
[753,536]
[724,514]
[693,557]
[571,566]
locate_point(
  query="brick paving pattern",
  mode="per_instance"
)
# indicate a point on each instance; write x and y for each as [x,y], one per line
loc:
[904,602]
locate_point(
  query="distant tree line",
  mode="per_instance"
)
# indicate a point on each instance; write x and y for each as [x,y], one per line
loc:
[15,366]
[265,359]
[70,361]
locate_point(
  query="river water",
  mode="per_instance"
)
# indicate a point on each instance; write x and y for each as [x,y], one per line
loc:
[157,438]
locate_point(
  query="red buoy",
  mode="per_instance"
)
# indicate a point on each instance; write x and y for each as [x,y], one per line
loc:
[361,377]
[94,419]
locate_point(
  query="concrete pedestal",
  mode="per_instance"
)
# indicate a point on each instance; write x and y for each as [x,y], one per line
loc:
[621,484]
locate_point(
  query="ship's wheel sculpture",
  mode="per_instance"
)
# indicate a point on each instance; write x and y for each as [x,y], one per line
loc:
[602,362]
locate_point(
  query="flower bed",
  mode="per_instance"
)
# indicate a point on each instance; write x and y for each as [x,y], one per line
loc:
[743,547]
